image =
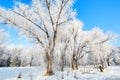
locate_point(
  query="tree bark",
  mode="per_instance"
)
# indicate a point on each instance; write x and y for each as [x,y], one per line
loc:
[62,68]
[49,64]
[62,64]
[49,67]
[101,68]
[74,63]
[108,63]
[102,63]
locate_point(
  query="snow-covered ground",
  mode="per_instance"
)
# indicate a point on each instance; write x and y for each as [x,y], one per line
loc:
[84,73]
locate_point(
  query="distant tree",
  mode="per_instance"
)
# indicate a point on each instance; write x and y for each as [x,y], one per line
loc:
[8,62]
[4,57]
[101,45]
[116,57]
[36,56]
[15,62]
[110,57]
[16,56]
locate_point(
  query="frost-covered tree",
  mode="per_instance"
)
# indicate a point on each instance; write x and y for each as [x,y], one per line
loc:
[15,54]
[4,56]
[68,43]
[110,57]
[36,56]
[75,31]
[101,45]
[40,21]
[62,48]
[116,57]
[81,47]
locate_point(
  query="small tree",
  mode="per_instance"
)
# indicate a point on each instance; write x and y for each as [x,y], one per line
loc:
[15,62]
[15,54]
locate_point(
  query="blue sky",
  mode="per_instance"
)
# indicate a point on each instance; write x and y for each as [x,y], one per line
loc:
[93,13]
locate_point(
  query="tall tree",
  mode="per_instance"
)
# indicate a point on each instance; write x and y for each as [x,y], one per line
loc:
[40,21]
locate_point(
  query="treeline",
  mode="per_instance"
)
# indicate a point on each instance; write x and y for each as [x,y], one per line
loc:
[18,57]
[21,57]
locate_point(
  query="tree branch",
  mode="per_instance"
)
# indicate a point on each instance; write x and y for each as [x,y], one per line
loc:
[48,8]
[29,20]
[9,20]
[103,40]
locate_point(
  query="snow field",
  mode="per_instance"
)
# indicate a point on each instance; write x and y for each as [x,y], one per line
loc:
[37,73]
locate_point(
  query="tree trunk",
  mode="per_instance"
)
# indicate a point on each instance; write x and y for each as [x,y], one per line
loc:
[31,61]
[49,67]
[72,64]
[108,62]
[62,65]
[62,68]
[102,63]
[62,61]
[101,68]
[76,62]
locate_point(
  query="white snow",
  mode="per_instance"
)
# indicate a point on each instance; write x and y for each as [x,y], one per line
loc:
[37,73]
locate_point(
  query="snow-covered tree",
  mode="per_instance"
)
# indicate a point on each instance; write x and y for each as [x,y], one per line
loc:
[68,43]
[61,49]
[15,54]
[116,57]
[4,55]
[75,31]
[36,56]
[40,21]
[101,45]
[110,57]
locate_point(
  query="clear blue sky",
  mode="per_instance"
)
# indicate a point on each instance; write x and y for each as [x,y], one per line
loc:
[94,13]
